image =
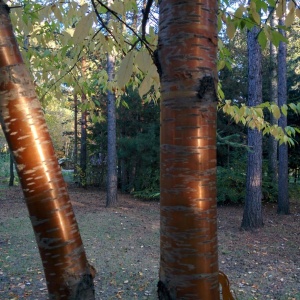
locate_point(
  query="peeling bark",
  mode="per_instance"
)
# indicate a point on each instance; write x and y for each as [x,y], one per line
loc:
[67,271]
[186,61]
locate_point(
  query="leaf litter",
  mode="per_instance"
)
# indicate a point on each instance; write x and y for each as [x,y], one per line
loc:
[123,245]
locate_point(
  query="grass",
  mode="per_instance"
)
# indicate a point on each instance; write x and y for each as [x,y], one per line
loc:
[121,244]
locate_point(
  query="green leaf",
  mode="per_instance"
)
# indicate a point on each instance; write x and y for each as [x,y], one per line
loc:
[277,37]
[284,109]
[262,39]
[275,111]
[271,3]
[294,107]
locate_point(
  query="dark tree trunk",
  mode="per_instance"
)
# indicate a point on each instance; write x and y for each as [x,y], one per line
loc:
[11,170]
[68,274]
[112,178]
[123,175]
[252,217]
[83,147]
[75,139]
[273,92]
[283,195]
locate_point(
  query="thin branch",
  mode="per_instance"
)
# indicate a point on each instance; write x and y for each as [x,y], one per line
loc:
[146,12]
[140,39]
[61,77]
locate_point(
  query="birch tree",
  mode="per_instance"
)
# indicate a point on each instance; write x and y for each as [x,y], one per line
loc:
[67,271]
[186,61]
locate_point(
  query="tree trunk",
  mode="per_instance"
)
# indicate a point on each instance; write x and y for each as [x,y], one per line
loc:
[252,217]
[283,195]
[273,88]
[186,62]
[11,170]
[83,146]
[75,175]
[67,271]
[112,178]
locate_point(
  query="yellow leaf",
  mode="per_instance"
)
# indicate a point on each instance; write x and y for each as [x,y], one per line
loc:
[230,30]
[57,13]
[256,16]
[239,12]
[82,28]
[118,7]
[148,81]
[125,70]
[298,12]
[275,111]
[290,18]
[221,64]
[291,5]
[143,60]
[280,10]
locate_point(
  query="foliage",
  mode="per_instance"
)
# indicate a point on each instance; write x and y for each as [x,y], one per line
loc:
[230,185]
[4,165]
[55,37]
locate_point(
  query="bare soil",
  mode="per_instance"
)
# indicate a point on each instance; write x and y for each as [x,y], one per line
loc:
[123,245]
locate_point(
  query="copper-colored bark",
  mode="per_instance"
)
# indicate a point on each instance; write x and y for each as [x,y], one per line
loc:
[66,268]
[187,56]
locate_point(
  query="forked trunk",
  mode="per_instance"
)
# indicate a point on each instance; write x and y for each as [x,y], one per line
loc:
[187,65]
[67,271]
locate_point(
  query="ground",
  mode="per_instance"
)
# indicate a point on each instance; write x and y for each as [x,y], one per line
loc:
[123,245]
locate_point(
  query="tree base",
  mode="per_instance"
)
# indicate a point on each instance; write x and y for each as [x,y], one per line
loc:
[163,292]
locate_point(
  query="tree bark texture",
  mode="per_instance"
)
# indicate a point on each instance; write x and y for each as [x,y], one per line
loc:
[283,196]
[273,144]
[67,271]
[252,217]
[186,62]
[112,179]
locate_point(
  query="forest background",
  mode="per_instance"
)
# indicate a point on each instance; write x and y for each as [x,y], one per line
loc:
[68,64]
[71,50]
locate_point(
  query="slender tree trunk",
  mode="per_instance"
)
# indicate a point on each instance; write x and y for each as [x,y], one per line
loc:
[112,179]
[75,138]
[186,62]
[11,170]
[83,146]
[67,271]
[283,195]
[273,89]
[252,217]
